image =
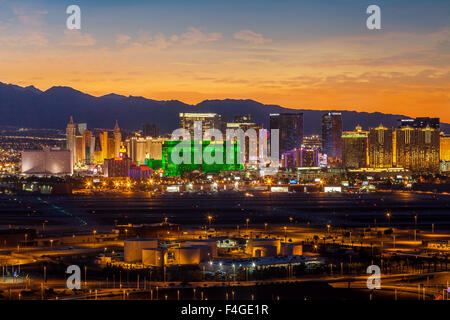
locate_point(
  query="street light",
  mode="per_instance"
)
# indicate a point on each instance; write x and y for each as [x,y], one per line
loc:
[265,227]
[285,233]
[388,215]
[209,220]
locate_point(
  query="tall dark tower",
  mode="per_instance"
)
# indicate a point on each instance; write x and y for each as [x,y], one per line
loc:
[332,137]
[71,132]
[290,126]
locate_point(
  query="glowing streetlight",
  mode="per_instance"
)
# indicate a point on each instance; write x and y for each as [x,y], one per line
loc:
[388,215]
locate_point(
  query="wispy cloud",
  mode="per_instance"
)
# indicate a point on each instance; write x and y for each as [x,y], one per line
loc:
[195,35]
[24,39]
[122,38]
[28,18]
[151,42]
[251,37]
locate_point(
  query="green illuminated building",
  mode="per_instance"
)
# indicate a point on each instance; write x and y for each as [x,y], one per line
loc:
[179,157]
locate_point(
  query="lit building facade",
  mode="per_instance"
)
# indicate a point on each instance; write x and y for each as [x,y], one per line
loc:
[290,126]
[300,158]
[354,153]
[444,147]
[47,162]
[117,140]
[208,120]
[117,167]
[312,142]
[332,137]
[381,150]
[418,149]
[421,123]
[140,149]
[217,150]
[80,151]
[246,123]
[71,133]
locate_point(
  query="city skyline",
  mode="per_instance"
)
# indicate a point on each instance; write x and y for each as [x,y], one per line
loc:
[224,158]
[191,52]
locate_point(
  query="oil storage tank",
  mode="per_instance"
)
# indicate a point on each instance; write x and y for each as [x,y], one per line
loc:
[153,257]
[206,252]
[204,242]
[264,251]
[133,248]
[187,255]
[297,249]
[288,249]
[251,243]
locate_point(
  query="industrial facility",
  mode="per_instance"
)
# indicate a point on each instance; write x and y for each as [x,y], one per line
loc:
[144,252]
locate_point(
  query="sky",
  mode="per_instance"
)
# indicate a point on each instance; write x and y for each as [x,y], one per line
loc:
[298,54]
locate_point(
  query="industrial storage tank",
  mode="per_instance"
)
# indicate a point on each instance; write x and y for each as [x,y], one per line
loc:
[264,251]
[206,252]
[251,243]
[187,255]
[297,249]
[153,257]
[133,248]
[201,242]
[288,249]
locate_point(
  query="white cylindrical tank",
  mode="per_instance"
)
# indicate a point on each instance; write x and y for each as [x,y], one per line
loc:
[152,257]
[187,255]
[133,248]
[208,242]
[251,243]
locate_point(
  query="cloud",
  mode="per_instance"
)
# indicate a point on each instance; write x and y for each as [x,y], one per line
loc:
[194,36]
[29,19]
[23,39]
[122,38]
[77,39]
[148,42]
[251,37]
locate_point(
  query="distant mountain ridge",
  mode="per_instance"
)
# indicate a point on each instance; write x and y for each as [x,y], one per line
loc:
[33,108]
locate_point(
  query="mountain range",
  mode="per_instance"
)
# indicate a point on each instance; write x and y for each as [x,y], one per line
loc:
[32,108]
